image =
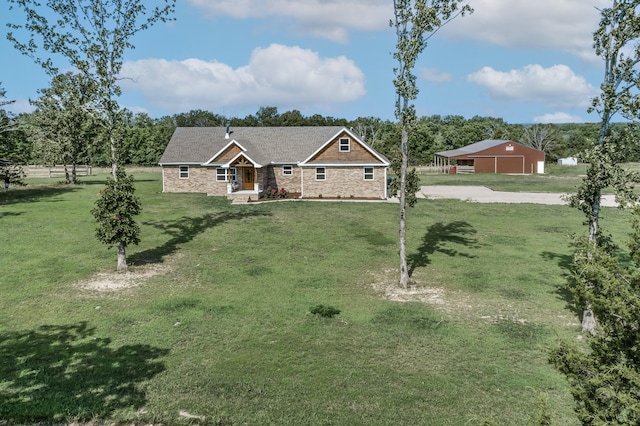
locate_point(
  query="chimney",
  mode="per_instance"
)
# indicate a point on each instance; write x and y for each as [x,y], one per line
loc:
[228,133]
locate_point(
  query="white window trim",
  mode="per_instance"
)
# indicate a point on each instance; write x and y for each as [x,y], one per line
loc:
[365,174]
[182,170]
[348,145]
[324,173]
[233,174]
[288,167]
[224,176]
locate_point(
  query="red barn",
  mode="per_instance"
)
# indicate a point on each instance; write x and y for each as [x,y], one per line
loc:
[493,156]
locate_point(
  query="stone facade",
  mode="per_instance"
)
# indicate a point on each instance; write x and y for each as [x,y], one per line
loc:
[201,179]
[277,179]
[345,182]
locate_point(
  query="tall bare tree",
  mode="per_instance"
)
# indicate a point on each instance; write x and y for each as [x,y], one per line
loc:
[543,137]
[617,42]
[92,35]
[415,22]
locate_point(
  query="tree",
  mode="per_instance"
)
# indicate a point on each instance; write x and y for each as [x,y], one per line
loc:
[605,380]
[62,125]
[10,153]
[415,21]
[543,137]
[92,35]
[616,42]
[115,211]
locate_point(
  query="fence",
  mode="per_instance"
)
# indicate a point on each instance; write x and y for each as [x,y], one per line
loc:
[35,171]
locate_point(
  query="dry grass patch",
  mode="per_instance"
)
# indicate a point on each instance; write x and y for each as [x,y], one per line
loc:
[106,282]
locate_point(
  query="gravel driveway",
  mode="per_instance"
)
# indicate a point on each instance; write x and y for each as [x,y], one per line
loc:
[482,194]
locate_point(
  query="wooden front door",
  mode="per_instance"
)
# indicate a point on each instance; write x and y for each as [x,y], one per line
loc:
[249,178]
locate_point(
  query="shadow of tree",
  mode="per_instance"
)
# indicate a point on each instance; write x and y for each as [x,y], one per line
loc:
[437,239]
[185,229]
[565,262]
[28,194]
[57,373]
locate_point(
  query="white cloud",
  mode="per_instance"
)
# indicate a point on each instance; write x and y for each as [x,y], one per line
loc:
[558,118]
[277,75]
[567,25]
[435,76]
[331,19]
[556,86]
[541,24]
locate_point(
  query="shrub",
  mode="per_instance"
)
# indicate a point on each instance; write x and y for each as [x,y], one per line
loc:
[325,311]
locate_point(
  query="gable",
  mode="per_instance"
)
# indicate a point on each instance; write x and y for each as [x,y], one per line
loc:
[227,154]
[489,148]
[506,149]
[345,148]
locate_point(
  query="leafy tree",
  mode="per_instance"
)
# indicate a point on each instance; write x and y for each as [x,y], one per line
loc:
[115,211]
[11,150]
[605,380]
[92,35]
[414,22]
[62,125]
[198,118]
[615,41]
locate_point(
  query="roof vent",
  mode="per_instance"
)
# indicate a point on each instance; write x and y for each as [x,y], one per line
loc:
[228,133]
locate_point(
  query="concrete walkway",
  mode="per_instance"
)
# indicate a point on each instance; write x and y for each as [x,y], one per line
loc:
[482,194]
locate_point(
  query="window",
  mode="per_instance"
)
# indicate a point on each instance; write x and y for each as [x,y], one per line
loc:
[321,173]
[232,174]
[345,145]
[221,175]
[287,170]
[183,172]
[368,173]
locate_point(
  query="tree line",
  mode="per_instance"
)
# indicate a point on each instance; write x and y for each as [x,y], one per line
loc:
[144,138]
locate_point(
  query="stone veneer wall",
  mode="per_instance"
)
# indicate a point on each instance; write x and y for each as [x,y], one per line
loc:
[275,179]
[344,182]
[201,179]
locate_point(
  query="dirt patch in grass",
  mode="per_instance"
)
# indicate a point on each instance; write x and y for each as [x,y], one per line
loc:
[419,292]
[104,282]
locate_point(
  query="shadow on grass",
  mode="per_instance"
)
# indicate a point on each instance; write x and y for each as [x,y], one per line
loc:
[565,262]
[184,230]
[28,194]
[65,373]
[437,239]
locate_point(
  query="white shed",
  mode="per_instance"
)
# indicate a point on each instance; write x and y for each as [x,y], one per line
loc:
[569,161]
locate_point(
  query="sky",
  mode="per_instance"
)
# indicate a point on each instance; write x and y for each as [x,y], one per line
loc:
[524,61]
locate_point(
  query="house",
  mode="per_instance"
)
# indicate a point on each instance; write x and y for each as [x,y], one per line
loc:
[314,161]
[492,156]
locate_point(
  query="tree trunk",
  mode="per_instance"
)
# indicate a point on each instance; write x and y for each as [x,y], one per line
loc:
[66,175]
[122,257]
[114,158]
[588,320]
[74,174]
[404,270]
[588,317]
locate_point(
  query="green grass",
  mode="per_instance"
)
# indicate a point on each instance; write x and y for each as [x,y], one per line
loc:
[222,329]
[556,179]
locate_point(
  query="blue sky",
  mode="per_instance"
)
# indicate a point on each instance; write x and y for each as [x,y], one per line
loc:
[522,60]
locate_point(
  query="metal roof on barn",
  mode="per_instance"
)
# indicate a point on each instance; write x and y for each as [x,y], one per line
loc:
[473,148]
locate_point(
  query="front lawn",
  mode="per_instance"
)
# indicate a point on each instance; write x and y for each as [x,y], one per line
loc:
[213,324]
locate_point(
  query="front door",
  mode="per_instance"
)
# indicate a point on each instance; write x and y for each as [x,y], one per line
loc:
[249,178]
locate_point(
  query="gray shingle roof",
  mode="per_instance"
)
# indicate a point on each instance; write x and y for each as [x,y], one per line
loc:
[473,148]
[196,145]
